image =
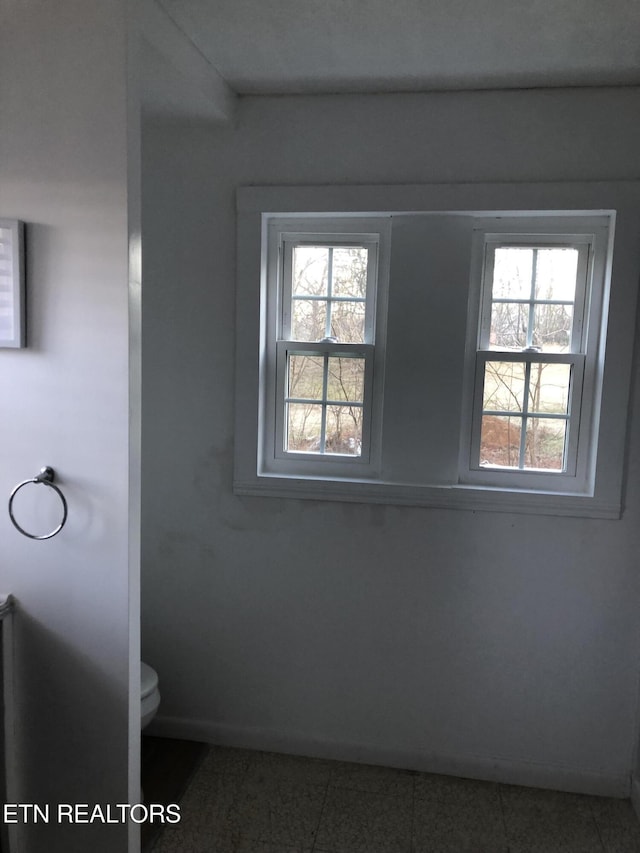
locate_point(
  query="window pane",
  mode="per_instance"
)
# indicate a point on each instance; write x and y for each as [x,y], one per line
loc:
[556,272]
[347,321]
[509,321]
[544,444]
[350,271]
[346,379]
[549,388]
[500,441]
[344,430]
[310,270]
[308,321]
[305,377]
[503,386]
[552,327]
[512,271]
[304,424]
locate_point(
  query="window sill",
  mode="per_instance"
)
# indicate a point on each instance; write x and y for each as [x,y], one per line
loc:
[464,497]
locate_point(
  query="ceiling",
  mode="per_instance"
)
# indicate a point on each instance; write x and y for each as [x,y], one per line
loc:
[318,46]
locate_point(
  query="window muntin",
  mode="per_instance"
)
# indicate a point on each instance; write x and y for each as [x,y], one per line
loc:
[324,403]
[328,295]
[531,355]
[533,295]
[415,457]
[525,414]
[328,292]
[321,403]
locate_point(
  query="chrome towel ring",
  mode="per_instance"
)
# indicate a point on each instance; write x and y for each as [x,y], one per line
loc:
[46,477]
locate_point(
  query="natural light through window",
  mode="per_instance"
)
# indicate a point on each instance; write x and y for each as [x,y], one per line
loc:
[443,356]
[525,408]
[324,312]
[325,391]
[540,286]
[324,404]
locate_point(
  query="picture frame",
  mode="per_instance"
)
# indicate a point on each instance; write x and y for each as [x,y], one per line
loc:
[12,284]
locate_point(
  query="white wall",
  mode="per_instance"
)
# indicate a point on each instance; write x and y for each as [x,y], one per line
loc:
[63,171]
[500,645]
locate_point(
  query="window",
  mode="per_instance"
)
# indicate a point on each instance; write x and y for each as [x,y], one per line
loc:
[534,367]
[325,302]
[437,346]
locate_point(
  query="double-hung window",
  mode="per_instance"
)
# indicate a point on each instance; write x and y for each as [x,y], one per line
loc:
[535,370]
[436,346]
[326,314]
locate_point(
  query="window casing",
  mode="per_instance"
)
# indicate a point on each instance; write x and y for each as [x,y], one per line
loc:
[428,361]
[325,318]
[532,363]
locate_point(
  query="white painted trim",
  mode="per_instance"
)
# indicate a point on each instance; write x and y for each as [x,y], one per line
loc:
[134,271]
[462,497]
[282,236]
[162,33]
[505,198]
[488,768]
[591,236]
[603,498]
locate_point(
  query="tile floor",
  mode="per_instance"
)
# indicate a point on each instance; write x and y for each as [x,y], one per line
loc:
[253,802]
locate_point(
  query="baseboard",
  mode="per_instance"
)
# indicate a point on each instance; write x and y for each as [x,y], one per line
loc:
[492,769]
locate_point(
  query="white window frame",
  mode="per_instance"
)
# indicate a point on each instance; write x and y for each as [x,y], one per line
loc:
[602,493]
[283,234]
[590,235]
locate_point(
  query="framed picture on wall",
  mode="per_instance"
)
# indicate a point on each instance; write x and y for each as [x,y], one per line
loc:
[12,307]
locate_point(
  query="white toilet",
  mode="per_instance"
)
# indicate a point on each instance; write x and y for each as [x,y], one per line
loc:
[149,694]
